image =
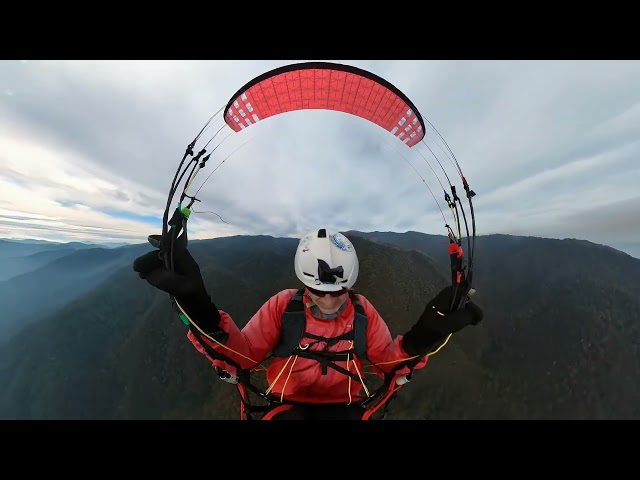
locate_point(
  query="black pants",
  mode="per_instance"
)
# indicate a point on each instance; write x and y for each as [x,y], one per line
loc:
[318,412]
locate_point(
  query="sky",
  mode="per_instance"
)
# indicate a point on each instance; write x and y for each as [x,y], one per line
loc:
[88,150]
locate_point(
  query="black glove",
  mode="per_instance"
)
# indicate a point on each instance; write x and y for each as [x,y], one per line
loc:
[185,285]
[437,321]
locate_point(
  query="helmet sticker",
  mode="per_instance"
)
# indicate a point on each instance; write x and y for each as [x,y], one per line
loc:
[341,242]
[304,242]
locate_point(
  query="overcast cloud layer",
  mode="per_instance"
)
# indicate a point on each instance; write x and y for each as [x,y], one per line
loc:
[88,150]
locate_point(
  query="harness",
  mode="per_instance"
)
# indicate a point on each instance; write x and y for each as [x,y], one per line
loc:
[293,332]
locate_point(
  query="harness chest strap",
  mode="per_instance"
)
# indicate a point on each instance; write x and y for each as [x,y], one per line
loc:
[293,330]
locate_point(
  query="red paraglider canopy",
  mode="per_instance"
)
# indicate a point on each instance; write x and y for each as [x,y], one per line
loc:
[328,86]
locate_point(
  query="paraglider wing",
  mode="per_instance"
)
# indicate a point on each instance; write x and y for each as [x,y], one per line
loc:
[328,86]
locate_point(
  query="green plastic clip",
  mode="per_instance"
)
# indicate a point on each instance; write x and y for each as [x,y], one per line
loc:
[184,319]
[185,211]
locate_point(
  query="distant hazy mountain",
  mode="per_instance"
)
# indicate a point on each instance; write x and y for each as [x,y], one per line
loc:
[561,336]
[14,266]
[28,296]
[17,248]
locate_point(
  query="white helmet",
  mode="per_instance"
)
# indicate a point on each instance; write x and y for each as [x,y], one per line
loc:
[326,261]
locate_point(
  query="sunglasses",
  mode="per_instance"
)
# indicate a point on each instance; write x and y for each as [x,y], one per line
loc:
[320,293]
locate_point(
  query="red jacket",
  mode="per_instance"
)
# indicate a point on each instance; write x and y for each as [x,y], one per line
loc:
[300,379]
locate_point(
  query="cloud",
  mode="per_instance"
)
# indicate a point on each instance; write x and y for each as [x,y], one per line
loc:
[88,149]
[48,189]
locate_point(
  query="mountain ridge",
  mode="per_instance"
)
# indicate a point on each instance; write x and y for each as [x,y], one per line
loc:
[560,337]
